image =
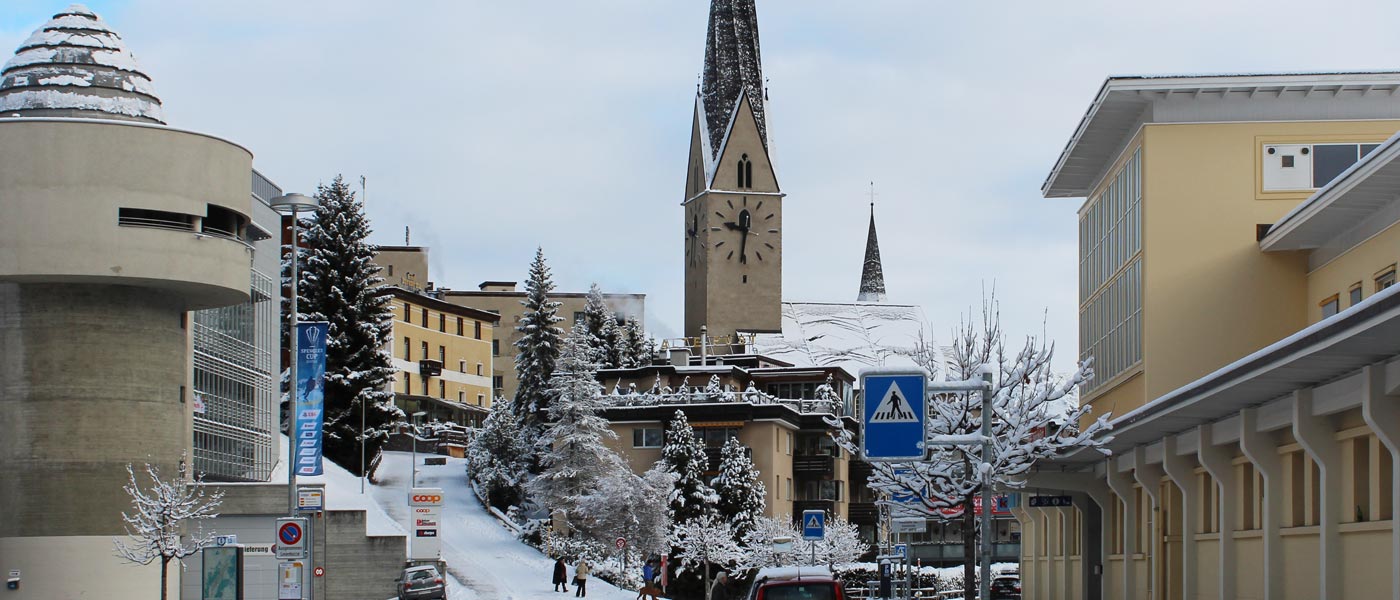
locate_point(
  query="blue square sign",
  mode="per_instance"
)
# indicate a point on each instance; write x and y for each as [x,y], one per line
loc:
[813,524]
[892,424]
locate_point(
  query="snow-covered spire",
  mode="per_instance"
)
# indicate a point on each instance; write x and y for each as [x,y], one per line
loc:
[732,66]
[872,276]
[77,66]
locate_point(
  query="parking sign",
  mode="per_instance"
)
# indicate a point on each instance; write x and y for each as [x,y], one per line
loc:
[892,424]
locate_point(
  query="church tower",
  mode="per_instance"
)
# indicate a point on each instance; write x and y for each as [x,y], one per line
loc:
[732,204]
[872,275]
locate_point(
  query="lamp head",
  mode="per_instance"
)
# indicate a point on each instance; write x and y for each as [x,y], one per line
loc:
[293,203]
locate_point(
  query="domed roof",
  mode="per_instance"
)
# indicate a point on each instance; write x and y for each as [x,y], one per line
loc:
[76,66]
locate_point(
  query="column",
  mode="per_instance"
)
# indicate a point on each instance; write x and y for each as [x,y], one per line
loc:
[1262,451]
[1382,414]
[1030,547]
[1317,438]
[1122,485]
[1149,476]
[1181,470]
[1051,575]
[1219,462]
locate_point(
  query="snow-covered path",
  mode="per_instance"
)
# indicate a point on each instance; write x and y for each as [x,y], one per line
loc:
[480,552]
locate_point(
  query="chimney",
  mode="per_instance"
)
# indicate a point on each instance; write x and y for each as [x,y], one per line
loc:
[680,356]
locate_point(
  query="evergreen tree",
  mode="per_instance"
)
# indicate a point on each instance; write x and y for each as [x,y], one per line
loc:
[684,456]
[740,491]
[638,346]
[498,458]
[538,348]
[338,279]
[614,350]
[596,316]
[575,457]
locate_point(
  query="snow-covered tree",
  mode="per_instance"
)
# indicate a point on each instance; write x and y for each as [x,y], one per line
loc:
[538,348]
[630,506]
[757,543]
[684,455]
[740,491]
[575,457]
[1033,418]
[160,517]
[706,542]
[596,321]
[840,545]
[639,347]
[498,458]
[614,349]
[338,279]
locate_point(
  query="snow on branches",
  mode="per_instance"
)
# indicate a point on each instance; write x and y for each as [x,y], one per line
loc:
[684,455]
[740,492]
[160,515]
[841,545]
[499,458]
[538,346]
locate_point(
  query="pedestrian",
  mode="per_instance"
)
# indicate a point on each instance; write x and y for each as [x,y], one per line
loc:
[647,571]
[651,574]
[581,578]
[561,578]
[719,591]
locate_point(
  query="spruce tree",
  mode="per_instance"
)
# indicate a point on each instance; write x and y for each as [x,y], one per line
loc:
[614,350]
[684,456]
[638,346]
[338,278]
[498,458]
[596,315]
[740,491]
[538,348]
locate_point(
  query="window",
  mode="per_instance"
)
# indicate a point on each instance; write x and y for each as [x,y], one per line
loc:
[1329,306]
[498,382]
[442,322]
[481,399]
[789,488]
[480,369]
[391,270]
[461,397]
[442,354]
[647,437]
[1386,278]
[715,437]
[424,320]
[1354,296]
[1308,166]
[407,313]
[495,347]
[477,325]
[789,443]
[459,326]
[1110,274]
[744,172]
[407,349]
[461,366]
[578,316]
[425,350]
[442,389]
[408,383]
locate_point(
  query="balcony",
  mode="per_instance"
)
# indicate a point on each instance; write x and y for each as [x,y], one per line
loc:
[864,513]
[801,505]
[817,465]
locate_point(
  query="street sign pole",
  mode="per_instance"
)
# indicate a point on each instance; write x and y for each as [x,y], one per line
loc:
[985,589]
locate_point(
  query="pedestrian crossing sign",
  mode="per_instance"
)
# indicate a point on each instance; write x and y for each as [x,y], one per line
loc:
[892,423]
[813,524]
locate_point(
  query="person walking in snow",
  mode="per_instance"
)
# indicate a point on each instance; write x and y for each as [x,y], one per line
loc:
[648,581]
[719,591]
[561,576]
[581,578]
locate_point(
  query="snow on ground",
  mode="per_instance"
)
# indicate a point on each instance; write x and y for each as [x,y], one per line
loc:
[479,551]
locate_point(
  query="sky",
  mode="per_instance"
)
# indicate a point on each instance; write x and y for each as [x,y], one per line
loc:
[492,128]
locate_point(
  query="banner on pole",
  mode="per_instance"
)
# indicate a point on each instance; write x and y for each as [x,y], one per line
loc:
[311,395]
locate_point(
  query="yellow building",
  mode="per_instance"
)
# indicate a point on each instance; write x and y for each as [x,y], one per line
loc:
[1236,240]
[442,352]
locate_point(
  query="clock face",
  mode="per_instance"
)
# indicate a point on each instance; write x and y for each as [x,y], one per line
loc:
[745,231]
[692,238]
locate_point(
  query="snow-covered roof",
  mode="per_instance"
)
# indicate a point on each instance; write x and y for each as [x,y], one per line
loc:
[852,335]
[77,66]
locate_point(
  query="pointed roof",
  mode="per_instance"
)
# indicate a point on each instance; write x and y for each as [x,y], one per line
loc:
[732,65]
[76,66]
[872,276]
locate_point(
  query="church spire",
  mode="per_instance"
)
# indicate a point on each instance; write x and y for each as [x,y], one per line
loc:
[872,277]
[732,65]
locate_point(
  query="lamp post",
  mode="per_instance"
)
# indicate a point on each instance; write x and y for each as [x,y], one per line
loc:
[413,436]
[294,204]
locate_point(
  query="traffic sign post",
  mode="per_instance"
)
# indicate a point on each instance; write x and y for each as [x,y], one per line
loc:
[813,528]
[896,411]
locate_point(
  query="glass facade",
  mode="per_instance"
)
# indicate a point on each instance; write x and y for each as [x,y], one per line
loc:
[1110,275]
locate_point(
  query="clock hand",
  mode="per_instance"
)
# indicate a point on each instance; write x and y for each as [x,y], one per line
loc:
[743,245]
[731,225]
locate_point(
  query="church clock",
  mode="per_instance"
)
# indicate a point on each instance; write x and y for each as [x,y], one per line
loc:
[746,232]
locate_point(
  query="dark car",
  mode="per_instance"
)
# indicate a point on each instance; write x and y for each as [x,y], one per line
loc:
[796,584]
[1006,588]
[421,583]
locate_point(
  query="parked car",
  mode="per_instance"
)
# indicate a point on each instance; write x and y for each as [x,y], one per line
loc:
[421,583]
[805,583]
[1006,587]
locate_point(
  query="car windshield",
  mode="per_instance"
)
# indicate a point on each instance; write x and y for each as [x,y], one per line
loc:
[424,574]
[824,590]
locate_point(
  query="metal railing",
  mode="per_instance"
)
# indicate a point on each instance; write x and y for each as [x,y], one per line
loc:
[830,405]
[155,223]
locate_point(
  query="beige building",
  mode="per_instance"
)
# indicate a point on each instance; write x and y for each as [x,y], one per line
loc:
[442,355]
[502,298]
[1236,245]
[403,266]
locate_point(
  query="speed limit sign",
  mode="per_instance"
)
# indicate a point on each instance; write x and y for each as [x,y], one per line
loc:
[621,543]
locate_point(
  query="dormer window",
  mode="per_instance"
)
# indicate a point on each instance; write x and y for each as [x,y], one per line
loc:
[744,172]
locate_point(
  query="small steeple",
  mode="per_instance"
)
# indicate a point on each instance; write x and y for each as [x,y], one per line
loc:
[732,65]
[872,276]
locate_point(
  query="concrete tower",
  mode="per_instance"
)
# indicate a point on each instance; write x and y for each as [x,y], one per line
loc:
[733,205]
[872,275]
[114,227]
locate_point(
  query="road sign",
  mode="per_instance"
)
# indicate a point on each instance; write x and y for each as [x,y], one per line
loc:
[892,424]
[1051,501]
[813,524]
[621,543]
[225,540]
[311,497]
[319,571]
[291,538]
[901,550]
[908,525]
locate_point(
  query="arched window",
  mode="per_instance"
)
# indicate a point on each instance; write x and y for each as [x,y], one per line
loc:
[744,173]
[748,174]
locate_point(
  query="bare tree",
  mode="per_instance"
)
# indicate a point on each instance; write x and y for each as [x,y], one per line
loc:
[1034,416]
[161,514]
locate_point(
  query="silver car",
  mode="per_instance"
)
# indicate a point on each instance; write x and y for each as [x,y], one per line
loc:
[421,583]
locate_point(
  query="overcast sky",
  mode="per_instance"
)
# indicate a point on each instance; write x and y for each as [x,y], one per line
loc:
[491,128]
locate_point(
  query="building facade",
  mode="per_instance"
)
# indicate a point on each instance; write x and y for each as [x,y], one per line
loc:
[442,354]
[1237,241]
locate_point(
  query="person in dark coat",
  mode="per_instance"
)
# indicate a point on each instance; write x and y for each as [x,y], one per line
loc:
[720,591]
[561,575]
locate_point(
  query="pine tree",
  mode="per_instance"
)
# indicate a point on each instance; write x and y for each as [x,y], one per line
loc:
[538,348]
[596,316]
[614,350]
[498,458]
[684,455]
[575,457]
[338,279]
[740,491]
[639,346]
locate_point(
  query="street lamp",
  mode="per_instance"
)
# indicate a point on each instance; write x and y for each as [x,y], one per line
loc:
[413,436]
[293,203]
